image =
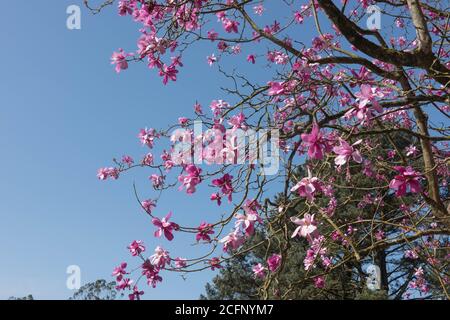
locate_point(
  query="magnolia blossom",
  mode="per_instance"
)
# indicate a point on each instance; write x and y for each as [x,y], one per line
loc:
[225,185]
[148,205]
[259,270]
[204,230]
[274,262]
[215,263]
[345,152]
[316,143]
[160,258]
[120,60]
[211,59]
[136,247]
[232,241]
[307,227]
[157,180]
[191,179]
[136,294]
[407,177]
[147,137]
[151,272]
[319,282]
[120,271]
[276,88]
[216,197]
[230,25]
[180,263]
[307,187]
[247,222]
[165,227]
[105,173]
[411,151]
[367,95]
[251,58]
[258,10]
[127,160]
[123,284]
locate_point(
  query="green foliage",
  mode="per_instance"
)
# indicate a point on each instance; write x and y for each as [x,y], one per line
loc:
[97,290]
[28,297]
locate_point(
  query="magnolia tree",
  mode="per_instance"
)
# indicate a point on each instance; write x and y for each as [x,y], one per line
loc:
[367,93]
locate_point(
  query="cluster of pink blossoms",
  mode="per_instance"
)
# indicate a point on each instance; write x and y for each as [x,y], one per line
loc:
[273,263]
[361,105]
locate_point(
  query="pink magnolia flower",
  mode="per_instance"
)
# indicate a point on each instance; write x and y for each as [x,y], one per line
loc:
[120,60]
[407,177]
[238,121]
[136,294]
[151,272]
[379,235]
[148,159]
[198,108]
[411,151]
[148,205]
[180,263]
[307,227]
[364,97]
[191,179]
[225,183]
[136,247]
[230,25]
[215,263]
[127,160]
[183,121]
[168,73]
[212,35]
[204,230]
[319,282]
[160,258]
[259,270]
[124,7]
[345,152]
[307,187]
[411,254]
[247,222]
[157,180]
[147,137]
[251,58]
[105,173]
[124,284]
[316,143]
[259,9]
[232,241]
[211,59]
[120,271]
[165,227]
[276,88]
[274,262]
[216,197]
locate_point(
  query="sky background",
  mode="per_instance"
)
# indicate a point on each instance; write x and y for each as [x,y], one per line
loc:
[64,113]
